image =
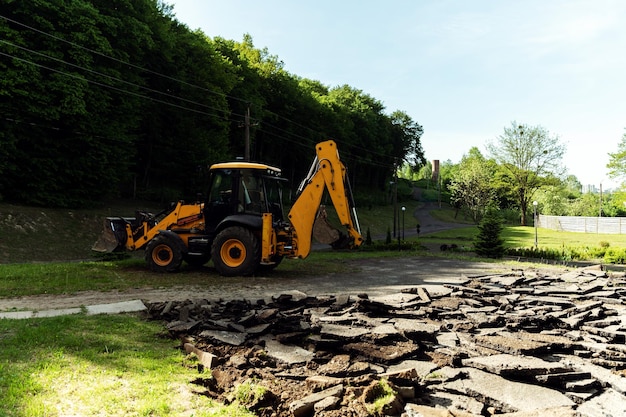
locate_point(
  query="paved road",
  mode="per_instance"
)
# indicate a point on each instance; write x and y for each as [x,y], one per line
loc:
[428,224]
[371,276]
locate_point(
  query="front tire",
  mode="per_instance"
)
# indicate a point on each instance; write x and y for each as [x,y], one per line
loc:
[236,251]
[163,255]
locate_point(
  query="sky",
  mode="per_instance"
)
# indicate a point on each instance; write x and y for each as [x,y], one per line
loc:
[463,69]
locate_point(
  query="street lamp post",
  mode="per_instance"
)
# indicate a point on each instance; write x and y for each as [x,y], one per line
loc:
[403,209]
[535,221]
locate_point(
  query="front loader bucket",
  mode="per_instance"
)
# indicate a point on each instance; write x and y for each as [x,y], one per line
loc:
[113,237]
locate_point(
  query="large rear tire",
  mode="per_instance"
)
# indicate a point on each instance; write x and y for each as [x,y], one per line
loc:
[163,255]
[236,251]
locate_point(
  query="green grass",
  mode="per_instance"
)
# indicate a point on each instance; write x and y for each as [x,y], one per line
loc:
[520,236]
[383,397]
[71,277]
[97,365]
[524,237]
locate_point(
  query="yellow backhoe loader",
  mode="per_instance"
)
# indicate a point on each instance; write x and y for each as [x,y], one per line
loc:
[241,226]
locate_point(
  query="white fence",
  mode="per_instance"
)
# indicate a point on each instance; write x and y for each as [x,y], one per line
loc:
[609,225]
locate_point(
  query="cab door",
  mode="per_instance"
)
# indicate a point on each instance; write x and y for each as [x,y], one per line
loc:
[223,198]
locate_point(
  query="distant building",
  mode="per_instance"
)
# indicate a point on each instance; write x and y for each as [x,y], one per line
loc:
[590,188]
[435,174]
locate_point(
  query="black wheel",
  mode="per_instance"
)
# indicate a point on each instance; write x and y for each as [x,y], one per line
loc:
[196,260]
[277,259]
[163,255]
[236,251]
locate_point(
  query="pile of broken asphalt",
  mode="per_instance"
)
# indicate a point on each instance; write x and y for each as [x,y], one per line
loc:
[518,344]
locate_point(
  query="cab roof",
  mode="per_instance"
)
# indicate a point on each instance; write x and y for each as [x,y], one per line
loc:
[247,165]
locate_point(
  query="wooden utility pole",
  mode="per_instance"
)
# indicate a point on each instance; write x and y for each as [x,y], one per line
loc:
[247,134]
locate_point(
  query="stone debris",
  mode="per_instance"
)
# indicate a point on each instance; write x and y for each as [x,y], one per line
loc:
[519,344]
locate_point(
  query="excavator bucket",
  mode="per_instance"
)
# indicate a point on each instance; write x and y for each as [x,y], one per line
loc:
[323,231]
[113,236]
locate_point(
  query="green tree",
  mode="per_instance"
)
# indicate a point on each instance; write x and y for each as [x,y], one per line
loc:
[614,204]
[67,128]
[425,172]
[587,205]
[184,124]
[407,140]
[528,155]
[470,186]
[573,186]
[617,160]
[558,199]
[553,200]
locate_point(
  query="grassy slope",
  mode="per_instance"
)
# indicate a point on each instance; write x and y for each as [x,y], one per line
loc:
[32,234]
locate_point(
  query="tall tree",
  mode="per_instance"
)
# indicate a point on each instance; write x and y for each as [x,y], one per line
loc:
[528,155]
[408,141]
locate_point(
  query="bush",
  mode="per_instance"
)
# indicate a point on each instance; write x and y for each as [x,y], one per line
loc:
[380,246]
[564,254]
[615,256]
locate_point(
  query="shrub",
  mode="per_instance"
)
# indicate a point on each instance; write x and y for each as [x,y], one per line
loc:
[488,242]
[380,246]
[615,256]
[566,253]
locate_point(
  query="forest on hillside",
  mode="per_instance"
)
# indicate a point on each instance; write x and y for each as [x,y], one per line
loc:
[116,98]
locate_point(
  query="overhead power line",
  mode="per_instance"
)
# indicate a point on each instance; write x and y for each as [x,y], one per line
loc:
[110,77]
[223,117]
[93,51]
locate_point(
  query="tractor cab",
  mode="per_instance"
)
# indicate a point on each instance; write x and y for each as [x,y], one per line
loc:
[241,192]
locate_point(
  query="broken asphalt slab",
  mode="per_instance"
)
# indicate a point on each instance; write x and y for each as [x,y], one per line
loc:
[524,344]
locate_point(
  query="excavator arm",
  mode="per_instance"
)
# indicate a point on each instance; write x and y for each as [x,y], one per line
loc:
[327,173]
